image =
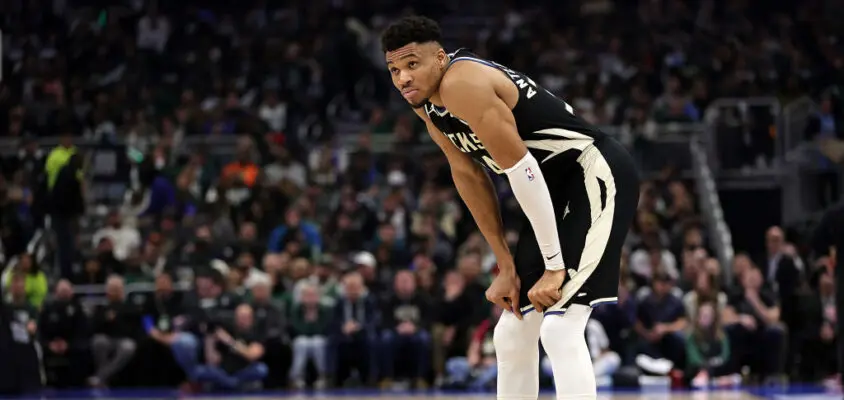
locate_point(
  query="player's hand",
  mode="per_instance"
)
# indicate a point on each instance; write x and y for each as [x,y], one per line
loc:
[547,291]
[504,291]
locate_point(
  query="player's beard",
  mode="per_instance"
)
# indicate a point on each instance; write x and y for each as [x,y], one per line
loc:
[419,104]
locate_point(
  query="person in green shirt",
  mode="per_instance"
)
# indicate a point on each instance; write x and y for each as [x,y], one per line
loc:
[708,359]
[35,282]
[58,158]
[309,321]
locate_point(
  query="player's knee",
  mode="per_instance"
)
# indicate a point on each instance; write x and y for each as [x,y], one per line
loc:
[509,338]
[565,333]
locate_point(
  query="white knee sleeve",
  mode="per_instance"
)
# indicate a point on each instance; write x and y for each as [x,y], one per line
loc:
[517,351]
[563,337]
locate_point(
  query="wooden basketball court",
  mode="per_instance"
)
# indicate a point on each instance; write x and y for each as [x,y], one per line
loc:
[645,395]
[734,395]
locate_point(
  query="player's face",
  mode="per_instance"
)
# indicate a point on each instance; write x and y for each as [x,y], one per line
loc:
[416,70]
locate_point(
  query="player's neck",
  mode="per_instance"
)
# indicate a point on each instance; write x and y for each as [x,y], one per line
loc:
[435,98]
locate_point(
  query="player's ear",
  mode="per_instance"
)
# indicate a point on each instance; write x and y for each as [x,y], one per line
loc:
[442,57]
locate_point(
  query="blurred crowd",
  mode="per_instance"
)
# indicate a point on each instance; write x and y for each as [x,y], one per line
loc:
[290,259]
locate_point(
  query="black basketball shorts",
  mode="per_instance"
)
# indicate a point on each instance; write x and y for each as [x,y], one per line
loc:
[594,203]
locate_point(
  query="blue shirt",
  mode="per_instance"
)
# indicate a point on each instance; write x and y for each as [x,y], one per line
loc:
[654,310]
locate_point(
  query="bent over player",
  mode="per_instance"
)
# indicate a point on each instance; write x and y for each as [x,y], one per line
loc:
[571,180]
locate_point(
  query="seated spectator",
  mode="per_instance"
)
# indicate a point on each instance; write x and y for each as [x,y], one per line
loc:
[125,240]
[64,337]
[479,368]
[159,314]
[660,321]
[406,339]
[605,362]
[309,320]
[652,257]
[250,271]
[618,320]
[818,333]
[294,229]
[353,340]
[708,355]
[706,289]
[451,329]
[116,327]
[35,282]
[207,307]
[754,316]
[232,359]
[270,322]
[19,347]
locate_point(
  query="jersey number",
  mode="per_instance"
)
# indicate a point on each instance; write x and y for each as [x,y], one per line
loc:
[491,164]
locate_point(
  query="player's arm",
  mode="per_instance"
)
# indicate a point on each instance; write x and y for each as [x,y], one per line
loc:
[468,93]
[476,190]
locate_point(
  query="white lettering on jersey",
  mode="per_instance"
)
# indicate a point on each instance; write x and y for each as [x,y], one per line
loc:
[521,81]
[468,142]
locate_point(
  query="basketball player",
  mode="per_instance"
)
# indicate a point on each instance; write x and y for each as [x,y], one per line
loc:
[571,181]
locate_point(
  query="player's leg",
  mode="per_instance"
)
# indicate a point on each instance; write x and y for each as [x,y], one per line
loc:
[604,203]
[517,342]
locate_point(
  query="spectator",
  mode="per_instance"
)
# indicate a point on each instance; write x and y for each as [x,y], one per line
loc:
[619,321]
[780,270]
[66,205]
[652,257]
[116,328]
[160,314]
[708,351]
[706,290]
[35,281]
[64,334]
[479,368]
[451,328]
[294,229]
[206,308]
[250,271]
[660,321]
[271,323]
[406,337]
[125,240]
[232,359]
[243,172]
[756,329]
[469,265]
[273,112]
[309,322]
[818,333]
[24,327]
[354,322]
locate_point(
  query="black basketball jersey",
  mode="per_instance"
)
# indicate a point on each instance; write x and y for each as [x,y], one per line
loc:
[547,124]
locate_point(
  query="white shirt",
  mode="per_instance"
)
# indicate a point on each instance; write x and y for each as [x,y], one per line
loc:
[125,240]
[153,37]
[274,116]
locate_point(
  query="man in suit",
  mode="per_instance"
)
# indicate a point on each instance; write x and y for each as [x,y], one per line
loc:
[829,240]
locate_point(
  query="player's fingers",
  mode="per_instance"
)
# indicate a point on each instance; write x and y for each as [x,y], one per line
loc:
[514,302]
[503,303]
[555,295]
[537,304]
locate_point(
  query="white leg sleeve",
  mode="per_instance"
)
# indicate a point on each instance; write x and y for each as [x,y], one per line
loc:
[517,352]
[563,337]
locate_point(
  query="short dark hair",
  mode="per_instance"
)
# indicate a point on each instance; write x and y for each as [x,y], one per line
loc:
[408,30]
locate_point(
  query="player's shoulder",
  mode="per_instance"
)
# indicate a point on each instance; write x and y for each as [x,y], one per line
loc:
[465,78]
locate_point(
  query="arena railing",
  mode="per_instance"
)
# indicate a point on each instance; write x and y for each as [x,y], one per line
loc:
[91,296]
[710,208]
